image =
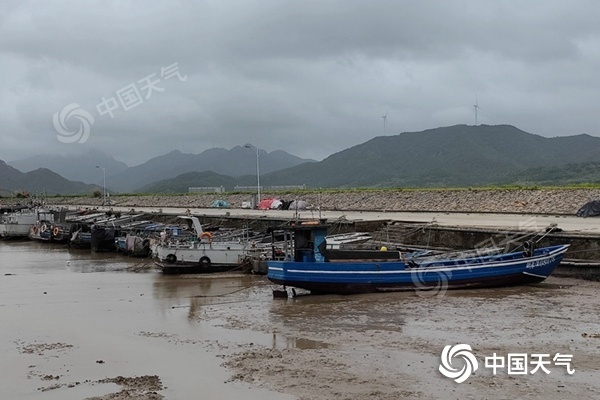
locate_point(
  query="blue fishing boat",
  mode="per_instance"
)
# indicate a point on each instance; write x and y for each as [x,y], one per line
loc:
[312,266]
[81,235]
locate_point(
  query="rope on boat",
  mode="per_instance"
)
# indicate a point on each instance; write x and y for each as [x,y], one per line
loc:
[144,264]
[549,230]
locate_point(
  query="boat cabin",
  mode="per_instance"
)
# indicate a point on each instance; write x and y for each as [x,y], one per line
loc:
[309,241]
[310,245]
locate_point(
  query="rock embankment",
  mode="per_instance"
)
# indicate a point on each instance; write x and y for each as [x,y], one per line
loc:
[534,201]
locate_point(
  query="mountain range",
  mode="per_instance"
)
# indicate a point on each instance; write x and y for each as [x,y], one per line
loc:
[238,161]
[89,167]
[455,156]
[452,156]
[39,181]
[74,167]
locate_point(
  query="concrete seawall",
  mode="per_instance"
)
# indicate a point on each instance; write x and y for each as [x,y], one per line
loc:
[534,201]
[442,218]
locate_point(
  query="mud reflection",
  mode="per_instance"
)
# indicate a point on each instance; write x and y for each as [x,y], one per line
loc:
[284,342]
[196,291]
[329,313]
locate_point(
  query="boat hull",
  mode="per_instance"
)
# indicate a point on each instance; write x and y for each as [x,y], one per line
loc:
[60,233]
[8,231]
[368,277]
[41,231]
[17,224]
[134,246]
[199,256]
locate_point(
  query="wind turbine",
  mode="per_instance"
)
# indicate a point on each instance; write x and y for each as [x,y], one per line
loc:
[384,121]
[476,106]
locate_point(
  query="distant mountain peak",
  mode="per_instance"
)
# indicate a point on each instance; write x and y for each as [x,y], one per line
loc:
[75,167]
[40,180]
[458,155]
[235,162]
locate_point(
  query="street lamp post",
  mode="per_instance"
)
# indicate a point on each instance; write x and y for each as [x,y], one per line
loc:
[104,184]
[257,170]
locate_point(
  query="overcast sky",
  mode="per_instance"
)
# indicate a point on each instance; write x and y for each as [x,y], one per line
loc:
[309,77]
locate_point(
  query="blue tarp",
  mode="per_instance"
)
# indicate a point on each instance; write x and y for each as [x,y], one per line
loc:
[220,204]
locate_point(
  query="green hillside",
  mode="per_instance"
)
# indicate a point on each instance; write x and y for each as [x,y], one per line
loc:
[453,156]
[40,181]
[570,174]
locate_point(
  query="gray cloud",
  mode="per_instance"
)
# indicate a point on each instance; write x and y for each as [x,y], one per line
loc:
[310,77]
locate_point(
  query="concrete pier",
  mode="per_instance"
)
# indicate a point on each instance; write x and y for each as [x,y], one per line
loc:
[526,222]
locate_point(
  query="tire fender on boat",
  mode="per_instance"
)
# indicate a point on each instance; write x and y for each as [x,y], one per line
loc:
[204,262]
[55,231]
[528,248]
[171,258]
[35,229]
[44,227]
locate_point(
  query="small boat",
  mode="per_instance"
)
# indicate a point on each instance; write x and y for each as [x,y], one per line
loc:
[105,231]
[80,235]
[342,239]
[41,230]
[102,238]
[61,233]
[311,266]
[133,245]
[18,224]
[198,250]
[135,239]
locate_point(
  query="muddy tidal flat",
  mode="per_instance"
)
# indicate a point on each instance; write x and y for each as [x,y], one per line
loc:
[77,325]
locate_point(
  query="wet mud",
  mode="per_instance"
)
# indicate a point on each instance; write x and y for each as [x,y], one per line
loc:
[82,326]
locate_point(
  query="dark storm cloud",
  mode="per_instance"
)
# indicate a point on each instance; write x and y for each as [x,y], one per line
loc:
[310,77]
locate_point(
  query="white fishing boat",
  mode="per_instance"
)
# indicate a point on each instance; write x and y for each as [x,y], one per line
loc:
[198,250]
[18,224]
[43,226]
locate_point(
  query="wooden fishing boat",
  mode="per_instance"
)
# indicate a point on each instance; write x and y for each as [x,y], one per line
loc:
[313,267]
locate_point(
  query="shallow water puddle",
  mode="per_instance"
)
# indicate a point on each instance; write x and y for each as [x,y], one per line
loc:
[284,342]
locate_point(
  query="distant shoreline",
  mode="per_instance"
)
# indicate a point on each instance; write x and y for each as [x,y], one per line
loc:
[514,201]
